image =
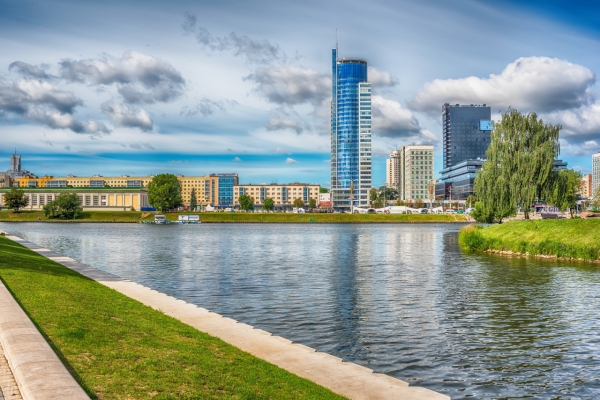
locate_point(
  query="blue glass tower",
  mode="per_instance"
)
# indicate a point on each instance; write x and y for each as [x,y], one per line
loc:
[350,132]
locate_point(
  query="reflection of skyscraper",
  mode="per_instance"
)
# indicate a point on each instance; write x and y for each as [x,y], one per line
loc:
[350,132]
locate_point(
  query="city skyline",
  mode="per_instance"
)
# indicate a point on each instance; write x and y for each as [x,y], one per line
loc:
[138,88]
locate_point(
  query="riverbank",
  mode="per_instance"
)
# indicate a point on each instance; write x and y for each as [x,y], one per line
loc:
[237,217]
[569,239]
[116,347]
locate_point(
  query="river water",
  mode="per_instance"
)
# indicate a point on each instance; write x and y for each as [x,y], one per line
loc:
[400,299]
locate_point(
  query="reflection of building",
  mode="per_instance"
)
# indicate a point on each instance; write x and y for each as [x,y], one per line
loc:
[350,132]
[595,173]
[412,171]
[214,189]
[392,170]
[585,190]
[105,199]
[282,195]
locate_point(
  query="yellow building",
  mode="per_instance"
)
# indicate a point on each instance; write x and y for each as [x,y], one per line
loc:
[100,199]
[282,195]
[206,186]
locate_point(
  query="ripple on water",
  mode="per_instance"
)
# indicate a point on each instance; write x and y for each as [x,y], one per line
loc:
[400,299]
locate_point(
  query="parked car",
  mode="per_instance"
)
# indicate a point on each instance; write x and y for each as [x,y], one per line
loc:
[450,212]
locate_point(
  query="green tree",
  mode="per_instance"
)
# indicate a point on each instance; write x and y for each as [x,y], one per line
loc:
[15,199]
[373,195]
[399,203]
[246,202]
[471,200]
[164,192]
[298,203]
[378,203]
[323,190]
[520,161]
[596,200]
[312,203]
[269,204]
[419,203]
[388,193]
[65,206]
[193,200]
[565,190]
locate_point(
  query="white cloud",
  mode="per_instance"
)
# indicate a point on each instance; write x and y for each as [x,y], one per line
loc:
[276,124]
[140,78]
[291,161]
[391,120]
[579,124]
[290,85]
[540,84]
[380,78]
[237,159]
[123,115]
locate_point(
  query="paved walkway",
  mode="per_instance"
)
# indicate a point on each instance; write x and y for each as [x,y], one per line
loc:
[8,387]
[345,378]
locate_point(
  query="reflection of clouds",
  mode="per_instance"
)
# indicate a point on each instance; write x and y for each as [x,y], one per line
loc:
[401,299]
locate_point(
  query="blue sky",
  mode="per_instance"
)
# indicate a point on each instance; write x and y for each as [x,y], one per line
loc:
[140,87]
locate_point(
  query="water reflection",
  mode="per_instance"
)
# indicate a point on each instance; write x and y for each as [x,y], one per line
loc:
[401,299]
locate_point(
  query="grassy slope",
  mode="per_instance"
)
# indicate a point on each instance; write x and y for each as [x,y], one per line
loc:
[121,349]
[92,216]
[569,238]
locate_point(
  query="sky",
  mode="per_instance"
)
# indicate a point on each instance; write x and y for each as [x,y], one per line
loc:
[198,87]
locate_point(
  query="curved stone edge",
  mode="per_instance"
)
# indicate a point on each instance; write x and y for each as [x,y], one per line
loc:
[39,373]
[345,378]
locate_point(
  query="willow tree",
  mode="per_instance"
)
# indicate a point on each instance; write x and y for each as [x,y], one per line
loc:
[565,190]
[519,166]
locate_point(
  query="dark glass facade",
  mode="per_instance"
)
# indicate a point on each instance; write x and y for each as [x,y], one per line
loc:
[350,132]
[462,137]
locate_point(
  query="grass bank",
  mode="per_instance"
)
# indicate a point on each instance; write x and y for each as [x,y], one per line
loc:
[117,348]
[136,216]
[577,239]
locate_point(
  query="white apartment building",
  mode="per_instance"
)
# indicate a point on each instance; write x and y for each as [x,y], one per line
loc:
[414,175]
[595,173]
[392,170]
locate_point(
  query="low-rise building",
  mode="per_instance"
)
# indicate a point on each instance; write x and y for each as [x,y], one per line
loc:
[92,199]
[213,189]
[282,195]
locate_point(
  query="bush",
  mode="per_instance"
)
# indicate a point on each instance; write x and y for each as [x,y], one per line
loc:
[65,206]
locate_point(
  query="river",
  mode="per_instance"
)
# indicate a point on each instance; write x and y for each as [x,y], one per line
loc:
[400,299]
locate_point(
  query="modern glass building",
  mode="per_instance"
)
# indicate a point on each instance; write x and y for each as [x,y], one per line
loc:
[350,132]
[222,189]
[466,132]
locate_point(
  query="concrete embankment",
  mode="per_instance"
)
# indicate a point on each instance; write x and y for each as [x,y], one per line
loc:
[37,370]
[345,378]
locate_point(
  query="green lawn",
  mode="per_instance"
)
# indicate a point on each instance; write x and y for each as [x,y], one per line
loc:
[135,216]
[568,238]
[118,348]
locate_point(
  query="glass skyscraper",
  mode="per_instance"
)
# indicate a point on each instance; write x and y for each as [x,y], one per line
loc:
[350,132]
[466,132]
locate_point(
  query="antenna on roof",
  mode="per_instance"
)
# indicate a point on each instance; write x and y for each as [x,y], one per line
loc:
[336,41]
